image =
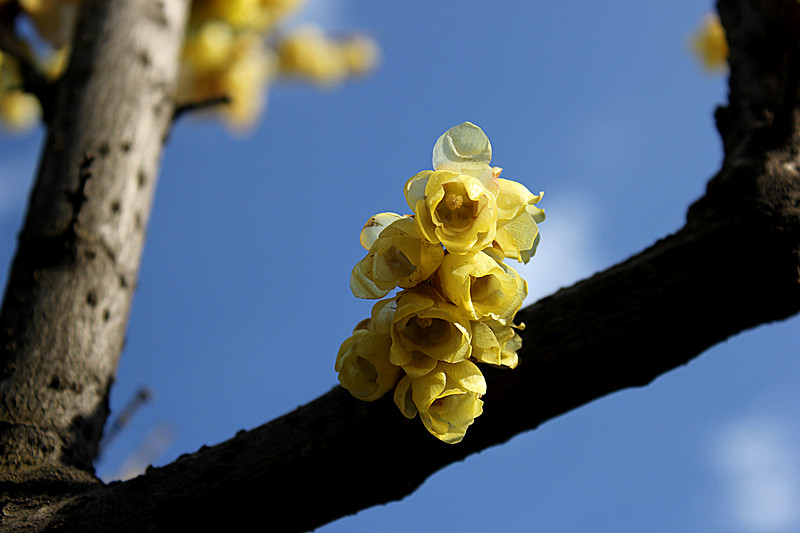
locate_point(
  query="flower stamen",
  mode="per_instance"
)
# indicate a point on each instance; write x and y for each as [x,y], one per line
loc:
[454,201]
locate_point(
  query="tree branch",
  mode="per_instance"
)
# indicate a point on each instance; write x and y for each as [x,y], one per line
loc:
[734,265]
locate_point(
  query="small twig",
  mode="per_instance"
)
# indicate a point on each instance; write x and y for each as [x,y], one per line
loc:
[143,395]
[199,105]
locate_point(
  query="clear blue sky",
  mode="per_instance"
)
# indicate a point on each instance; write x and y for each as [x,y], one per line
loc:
[243,298]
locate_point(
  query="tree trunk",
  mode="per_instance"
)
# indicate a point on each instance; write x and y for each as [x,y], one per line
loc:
[620,328]
[65,311]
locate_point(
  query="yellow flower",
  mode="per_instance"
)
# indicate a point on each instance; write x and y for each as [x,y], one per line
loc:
[209,47]
[308,53]
[710,45]
[19,111]
[495,343]
[363,364]
[242,76]
[454,209]
[360,54]
[425,322]
[399,257]
[482,285]
[447,399]
[517,231]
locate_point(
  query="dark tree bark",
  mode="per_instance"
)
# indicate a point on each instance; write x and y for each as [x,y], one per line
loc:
[734,265]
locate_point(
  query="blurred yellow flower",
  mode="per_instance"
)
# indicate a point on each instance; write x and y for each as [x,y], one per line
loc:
[454,209]
[19,111]
[242,76]
[208,47]
[399,257]
[425,322]
[363,364]
[308,53]
[481,285]
[447,399]
[360,54]
[710,45]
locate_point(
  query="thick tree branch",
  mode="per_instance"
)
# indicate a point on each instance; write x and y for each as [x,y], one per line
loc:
[734,265]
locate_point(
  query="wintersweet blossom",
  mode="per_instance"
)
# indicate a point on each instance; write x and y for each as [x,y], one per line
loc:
[457,210]
[481,285]
[208,46]
[360,54]
[19,110]
[242,74]
[447,399]
[398,257]
[310,54]
[426,323]
[363,364]
[517,232]
[495,343]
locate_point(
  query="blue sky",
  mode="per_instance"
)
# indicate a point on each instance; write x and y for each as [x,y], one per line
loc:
[243,297]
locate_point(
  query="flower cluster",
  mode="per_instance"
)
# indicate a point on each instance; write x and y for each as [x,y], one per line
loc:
[233,51]
[458,297]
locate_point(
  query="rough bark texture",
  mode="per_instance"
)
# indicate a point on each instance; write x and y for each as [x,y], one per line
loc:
[734,265]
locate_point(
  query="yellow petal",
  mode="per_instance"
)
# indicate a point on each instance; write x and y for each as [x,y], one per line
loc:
[414,189]
[403,399]
[425,390]
[462,148]
[464,375]
[382,315]
[360,283]
[513,198]
[420,365]
[374,226]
